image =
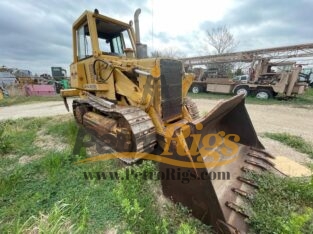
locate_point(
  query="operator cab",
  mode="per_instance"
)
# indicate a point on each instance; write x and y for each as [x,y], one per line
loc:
[97,34]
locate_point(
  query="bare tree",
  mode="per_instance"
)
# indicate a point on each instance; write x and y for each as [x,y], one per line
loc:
[156,54]
[221,39]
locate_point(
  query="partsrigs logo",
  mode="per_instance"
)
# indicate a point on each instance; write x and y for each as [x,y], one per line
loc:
[205,150]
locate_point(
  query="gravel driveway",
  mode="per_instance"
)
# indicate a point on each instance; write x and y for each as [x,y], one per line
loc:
[36,109]
[265,118]
[274,118]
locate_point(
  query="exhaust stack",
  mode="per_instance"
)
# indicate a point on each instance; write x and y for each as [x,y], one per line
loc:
[137,29]
[141,49]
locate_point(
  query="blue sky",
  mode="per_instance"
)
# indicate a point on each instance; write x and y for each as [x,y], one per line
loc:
[36,35]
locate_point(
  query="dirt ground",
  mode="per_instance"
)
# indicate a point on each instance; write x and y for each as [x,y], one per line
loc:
[265,118]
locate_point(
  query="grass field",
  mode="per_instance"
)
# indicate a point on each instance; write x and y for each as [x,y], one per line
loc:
[296,142]
[283,204]
[41,188]
[9,101]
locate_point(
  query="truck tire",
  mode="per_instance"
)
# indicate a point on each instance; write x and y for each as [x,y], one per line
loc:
[264,94]
[242,89]
[196,89]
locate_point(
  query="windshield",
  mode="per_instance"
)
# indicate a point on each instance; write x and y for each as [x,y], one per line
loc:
[113,38]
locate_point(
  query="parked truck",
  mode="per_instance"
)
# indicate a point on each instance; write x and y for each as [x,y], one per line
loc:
[267,80]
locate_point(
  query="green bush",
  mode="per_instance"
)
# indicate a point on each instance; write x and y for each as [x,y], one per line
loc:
[292,141]
[5,141]
[56,221]
[281,205]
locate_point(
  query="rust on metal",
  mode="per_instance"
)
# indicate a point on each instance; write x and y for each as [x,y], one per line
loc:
[229,227]
[262,151]
[241,192]
[256,164]
[236,208]
[261,158]
[124,129]
[247,181]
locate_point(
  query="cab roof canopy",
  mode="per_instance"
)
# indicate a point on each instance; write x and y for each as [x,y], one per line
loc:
[107,27]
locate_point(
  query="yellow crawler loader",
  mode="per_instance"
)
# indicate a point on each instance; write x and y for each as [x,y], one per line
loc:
[139,105]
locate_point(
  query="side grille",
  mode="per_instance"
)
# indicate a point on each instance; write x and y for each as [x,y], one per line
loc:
[171,88]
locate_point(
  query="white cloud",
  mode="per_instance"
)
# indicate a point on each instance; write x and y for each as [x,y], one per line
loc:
[180,18]
[36,35]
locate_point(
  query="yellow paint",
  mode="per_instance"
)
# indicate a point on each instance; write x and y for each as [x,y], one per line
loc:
[78,78]
[187,81]
[69,92]
[155,71]
[126,87]
[96,87]
[186,114]
[157,121]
